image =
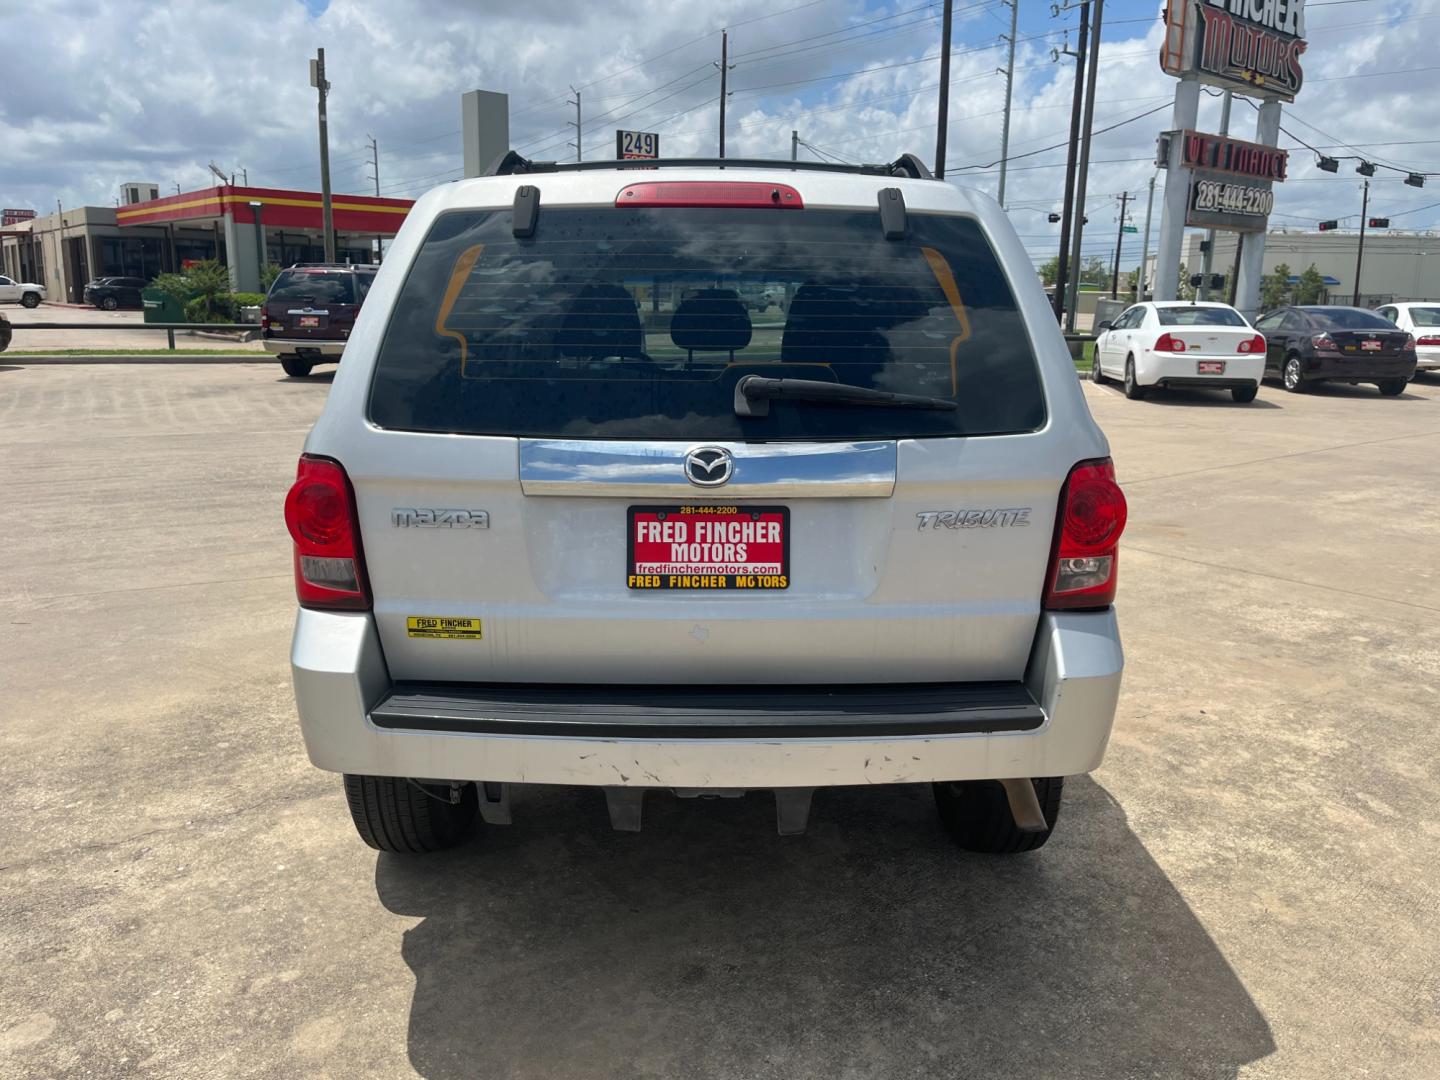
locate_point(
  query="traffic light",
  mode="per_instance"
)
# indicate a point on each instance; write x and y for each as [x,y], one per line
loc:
[1217,281]
[1326,226]
[1195,280]
[1365,169]
[1328,164]
[1054,219]
[1379,223]
[1415,179]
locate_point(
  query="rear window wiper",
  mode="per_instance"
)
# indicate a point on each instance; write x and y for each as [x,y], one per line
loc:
[754,393]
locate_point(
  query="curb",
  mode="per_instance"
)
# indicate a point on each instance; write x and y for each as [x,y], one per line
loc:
[159,358]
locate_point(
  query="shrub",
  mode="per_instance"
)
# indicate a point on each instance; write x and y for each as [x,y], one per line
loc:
[213,309]
[248,299]
[268,273]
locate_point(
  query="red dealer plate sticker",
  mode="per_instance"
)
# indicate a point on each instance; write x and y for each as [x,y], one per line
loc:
[1371,345]
[708,547]
[309,320]
[1210,367]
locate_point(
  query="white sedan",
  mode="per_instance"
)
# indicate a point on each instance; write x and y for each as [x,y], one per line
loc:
[20,292]
[1423,322]
[1181,343]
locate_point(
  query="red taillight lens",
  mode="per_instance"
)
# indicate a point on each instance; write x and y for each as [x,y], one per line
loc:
[1324,343]
[320,514]
[1409,345]
[745,195]
[1431,341]
[1253,345]
[1092,517]
[1169,343]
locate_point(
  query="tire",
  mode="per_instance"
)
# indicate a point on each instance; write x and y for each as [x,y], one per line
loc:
[1292,376]
[296,369]
[109,303]
[977,816]
[1243,395]
[1096,375]
[30,300]
[1133,390]
[397,815]
[1392,387]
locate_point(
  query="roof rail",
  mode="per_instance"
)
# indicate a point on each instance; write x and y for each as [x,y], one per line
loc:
[511,164]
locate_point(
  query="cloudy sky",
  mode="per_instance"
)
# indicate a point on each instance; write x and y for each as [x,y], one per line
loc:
[103,91]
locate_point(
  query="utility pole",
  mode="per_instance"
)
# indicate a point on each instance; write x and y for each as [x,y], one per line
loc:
[724,83]
[327,216]
[1009,95]
[794,145]
[579,154]
[1068,209]
[245,176]
[375,164]
[1360,253]
[1235,274]
[1119,241]
[1145,247]
[942,122]
[1093,58]
[1208,262]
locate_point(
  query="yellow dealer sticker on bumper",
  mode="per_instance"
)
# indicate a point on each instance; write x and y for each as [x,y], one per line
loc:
[442,626]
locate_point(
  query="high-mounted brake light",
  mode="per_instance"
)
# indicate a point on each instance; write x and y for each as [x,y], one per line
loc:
[1255,344]
[1169,343]
[1087,534]
[701,193]
[320,514]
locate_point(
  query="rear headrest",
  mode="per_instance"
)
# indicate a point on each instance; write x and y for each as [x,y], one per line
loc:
[602,321]
[713,320]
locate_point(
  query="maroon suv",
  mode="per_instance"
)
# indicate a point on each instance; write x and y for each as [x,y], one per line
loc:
[310,311]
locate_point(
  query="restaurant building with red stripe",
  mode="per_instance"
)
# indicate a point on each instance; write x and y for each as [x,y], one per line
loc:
[234,224]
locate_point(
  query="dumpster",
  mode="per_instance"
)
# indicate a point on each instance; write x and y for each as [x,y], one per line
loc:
[161,307]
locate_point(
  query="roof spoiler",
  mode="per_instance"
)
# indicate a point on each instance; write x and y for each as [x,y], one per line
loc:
[512,164]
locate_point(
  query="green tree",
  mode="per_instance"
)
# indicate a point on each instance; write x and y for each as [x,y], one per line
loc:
[1275,287]
[1050,270]
[1095,272]
[1310,286]
[268,276]
[1183,289]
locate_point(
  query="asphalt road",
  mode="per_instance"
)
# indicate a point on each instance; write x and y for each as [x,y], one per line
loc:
[1247,887]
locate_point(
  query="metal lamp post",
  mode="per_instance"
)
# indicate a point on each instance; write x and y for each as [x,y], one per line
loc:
[255,205]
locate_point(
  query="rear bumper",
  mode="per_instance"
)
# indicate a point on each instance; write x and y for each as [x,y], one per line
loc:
[1056,723]
[1427,358]
[1165,369]
[305,348]
[1358,369]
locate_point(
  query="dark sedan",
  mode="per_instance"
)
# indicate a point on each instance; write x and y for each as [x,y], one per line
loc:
[1307,345]
[4,333]
[115,292]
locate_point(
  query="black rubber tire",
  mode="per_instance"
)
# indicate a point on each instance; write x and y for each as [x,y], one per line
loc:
[1392,387]
[396,815]
[109,303]
[1243,395]
[30,300]
[976,814]
[1299,386]
[296,369]
[1096,375]
[1133,390]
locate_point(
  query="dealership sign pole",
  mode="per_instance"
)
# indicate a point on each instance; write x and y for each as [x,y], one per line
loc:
[1250,47]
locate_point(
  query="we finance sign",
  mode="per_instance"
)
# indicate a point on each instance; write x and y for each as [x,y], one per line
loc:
[1249,46]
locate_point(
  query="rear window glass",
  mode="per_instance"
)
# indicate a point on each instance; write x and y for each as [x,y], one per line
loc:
[1349,319]
[314,286]
[1199,316]
[1425,316]
[638,323]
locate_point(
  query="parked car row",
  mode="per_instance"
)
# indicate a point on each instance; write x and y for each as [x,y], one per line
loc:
[1210,345]
[25,293]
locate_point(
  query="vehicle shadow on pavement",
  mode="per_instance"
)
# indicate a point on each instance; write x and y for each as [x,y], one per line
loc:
[709,946]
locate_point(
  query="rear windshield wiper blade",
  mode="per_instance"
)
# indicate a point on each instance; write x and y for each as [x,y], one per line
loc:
[754,393]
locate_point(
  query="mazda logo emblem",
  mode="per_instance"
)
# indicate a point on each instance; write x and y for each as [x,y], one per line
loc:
[709,466]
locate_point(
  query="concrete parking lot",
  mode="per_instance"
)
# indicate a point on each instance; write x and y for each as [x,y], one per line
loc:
[106,330]
[1247,887]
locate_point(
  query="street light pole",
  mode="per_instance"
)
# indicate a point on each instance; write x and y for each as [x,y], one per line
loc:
[260,260]
[942,121]
[322,87]
[1068,206]
[1009,96]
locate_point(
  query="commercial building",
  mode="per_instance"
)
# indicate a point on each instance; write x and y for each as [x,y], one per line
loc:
[64,250]
[1397,265]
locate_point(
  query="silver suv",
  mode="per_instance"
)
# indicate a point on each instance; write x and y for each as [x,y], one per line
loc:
[575,514]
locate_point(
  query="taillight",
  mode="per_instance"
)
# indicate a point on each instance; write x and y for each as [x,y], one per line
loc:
[1324,343]
[741,194]
[1432,341]
[1092,517]
[1253,345]
[1409,345]
[1168,343]
[320,514]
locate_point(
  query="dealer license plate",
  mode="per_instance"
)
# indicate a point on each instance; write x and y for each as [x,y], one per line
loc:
[1210,367]
[1371,345]
[307,321]
[708,547]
